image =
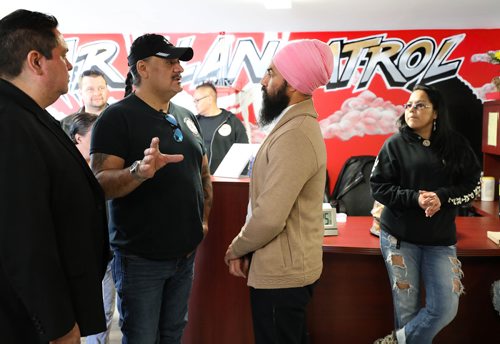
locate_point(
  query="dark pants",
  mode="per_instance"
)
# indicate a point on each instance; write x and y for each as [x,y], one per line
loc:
[279,315]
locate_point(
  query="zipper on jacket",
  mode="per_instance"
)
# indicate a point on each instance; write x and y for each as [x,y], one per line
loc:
[212,141]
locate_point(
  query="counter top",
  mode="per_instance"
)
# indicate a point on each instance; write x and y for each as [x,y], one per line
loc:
[486,208]
[355,237]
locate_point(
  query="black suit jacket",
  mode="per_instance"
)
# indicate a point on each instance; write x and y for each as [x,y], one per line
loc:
[53,234]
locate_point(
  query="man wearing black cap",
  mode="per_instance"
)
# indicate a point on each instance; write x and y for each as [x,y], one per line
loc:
[148,155]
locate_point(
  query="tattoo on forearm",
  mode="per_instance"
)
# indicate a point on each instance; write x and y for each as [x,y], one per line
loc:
[207,188]
[97,161]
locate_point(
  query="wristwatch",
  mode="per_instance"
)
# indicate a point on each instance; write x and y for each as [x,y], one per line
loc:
[134,169]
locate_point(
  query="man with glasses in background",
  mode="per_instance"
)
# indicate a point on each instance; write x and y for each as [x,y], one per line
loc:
[219,127]
[148,155]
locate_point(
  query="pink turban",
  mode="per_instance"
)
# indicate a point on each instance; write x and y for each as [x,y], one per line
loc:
[305,64]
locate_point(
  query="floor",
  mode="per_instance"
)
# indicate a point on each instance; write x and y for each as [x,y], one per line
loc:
[115,337]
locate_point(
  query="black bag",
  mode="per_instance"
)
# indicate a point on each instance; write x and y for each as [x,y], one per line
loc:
[351,194]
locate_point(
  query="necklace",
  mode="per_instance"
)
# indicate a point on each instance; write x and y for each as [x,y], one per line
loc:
[426,143]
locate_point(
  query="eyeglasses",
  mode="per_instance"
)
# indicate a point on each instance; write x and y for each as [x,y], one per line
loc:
[178,137]
[416,106]
[197,100]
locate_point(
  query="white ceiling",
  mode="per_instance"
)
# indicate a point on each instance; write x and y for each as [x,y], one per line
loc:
[101,16]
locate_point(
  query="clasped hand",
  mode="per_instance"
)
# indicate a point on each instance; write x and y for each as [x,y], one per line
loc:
[429,201]
[238,266]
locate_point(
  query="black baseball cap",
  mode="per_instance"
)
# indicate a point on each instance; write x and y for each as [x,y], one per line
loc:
[156,45]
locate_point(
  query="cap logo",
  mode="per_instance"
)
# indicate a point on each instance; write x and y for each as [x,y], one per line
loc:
[164,55]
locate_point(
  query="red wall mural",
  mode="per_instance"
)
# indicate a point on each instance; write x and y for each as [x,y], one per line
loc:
[374,72]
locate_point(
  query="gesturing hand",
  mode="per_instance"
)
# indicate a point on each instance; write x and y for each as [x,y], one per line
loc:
[154,159]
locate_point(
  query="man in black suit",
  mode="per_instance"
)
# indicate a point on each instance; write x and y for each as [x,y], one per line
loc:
[53,235]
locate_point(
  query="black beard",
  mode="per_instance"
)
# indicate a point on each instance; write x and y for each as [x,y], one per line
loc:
[272,106]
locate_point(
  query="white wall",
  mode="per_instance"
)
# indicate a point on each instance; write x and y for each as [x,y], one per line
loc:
[101,16]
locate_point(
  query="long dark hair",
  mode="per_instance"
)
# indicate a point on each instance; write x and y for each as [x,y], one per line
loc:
[128,83]
[448,144]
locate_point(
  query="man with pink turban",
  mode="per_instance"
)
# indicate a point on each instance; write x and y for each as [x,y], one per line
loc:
[283,234]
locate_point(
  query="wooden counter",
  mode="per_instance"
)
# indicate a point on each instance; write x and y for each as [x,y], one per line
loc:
[219,306]
[352,301]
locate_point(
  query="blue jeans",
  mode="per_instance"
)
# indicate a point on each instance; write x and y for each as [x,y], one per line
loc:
[152,297]
[440,271]
[108,297]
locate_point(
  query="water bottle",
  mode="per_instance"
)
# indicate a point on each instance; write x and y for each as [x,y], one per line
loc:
[487,188]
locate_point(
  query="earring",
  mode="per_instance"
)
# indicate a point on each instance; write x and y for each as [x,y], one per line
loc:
[434,125]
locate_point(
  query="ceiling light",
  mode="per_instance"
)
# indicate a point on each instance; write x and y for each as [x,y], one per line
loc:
[277,4]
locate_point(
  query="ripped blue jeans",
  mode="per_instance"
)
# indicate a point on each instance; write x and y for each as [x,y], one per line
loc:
[440,271]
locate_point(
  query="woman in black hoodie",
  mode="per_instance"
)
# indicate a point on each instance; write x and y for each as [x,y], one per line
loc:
[422,174]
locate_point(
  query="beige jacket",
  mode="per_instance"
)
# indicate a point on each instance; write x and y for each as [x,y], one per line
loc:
[285,231]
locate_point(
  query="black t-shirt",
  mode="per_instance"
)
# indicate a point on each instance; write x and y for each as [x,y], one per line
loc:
[162,218]
[208,126]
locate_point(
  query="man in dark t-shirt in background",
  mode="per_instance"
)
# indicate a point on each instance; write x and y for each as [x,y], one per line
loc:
[219,127]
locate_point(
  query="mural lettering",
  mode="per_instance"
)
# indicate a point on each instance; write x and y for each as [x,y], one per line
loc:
[356,62]
[224,65]
[401,65]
